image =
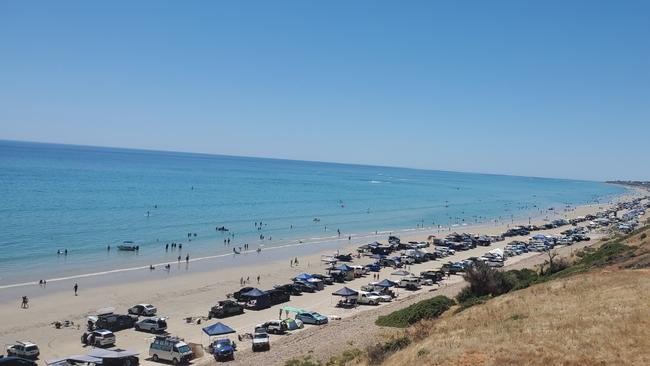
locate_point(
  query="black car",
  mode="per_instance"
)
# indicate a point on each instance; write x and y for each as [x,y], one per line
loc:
[15,361]
[278,296]
[289,289]
[115,322]
[328,280]
[305,286]
[238,295]
[224,309]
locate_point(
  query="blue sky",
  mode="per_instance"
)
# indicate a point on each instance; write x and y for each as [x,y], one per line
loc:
[552,88]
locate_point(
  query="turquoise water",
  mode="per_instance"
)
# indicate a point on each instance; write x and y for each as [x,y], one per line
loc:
[85,198]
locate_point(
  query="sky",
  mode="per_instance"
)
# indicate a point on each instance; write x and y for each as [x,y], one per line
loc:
[545,88]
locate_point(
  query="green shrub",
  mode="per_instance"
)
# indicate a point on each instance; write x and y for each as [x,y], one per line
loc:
[472,301]
[305,361]
[425,309]
[379,352]
[344,358]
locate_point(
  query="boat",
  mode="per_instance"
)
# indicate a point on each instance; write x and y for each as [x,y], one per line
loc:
[128,246]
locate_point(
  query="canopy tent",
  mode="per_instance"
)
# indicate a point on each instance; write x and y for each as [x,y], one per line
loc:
[217,329]
[291,309]
[386,283]
[343,268]
[304,276]
[345,292]
[116,353]
[401,272]
[254,293]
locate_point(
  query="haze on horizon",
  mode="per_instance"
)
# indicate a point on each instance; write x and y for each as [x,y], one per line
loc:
[552,89]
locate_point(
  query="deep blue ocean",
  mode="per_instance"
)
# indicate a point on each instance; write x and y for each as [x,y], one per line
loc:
[82,199]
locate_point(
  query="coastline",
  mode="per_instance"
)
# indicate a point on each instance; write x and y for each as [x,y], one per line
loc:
[193,292]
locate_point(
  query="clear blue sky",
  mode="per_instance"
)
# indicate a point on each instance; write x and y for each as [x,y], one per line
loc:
[554,88]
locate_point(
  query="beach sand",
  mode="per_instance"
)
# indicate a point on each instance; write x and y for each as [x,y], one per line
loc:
[187,293]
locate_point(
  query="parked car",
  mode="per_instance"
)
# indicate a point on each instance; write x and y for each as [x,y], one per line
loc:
[289,289]
[312,317]
[273,327]
[23,349]
[114,322]
[305,286]
[170,348]
[225,308]
[16,361]
[366,298]
[278,296]
[238,295]
[99,338]
[382,297]
[261,342]
[223,349]
[154,325]
[143,309]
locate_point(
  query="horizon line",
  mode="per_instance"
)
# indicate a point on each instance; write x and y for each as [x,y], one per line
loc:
[294,160]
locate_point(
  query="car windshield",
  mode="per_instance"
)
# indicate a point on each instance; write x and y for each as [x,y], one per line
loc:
[223,344]
[260,335]
[31,348]
[184,349]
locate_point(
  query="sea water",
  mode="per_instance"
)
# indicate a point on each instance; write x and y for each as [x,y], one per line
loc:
[84,199]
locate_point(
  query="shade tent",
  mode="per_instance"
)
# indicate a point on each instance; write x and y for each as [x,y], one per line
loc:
[343,268]
[345,292]
[386,283]
[254,293]
[304,276]
[401,272]
[291,309]
[217,329]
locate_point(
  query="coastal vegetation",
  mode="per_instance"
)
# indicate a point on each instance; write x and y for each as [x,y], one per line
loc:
[425,309]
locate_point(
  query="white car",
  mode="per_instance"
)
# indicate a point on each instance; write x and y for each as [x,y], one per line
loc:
[367,298]
[99,338]
[154,325]
[23,349]
[143,309]
[382,297]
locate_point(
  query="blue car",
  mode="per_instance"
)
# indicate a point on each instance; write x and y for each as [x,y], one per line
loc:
[312,317]
[224,349]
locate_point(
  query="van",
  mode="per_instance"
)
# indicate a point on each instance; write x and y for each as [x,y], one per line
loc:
[170,348]
[410,283]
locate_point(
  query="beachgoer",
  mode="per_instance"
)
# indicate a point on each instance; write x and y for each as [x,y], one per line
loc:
[258,279]
[25,303]
[187,258]
[259,250]
[65,252]
[179,259]
[108,248]
[280,315]
[296,260]
[167,247]
[248,279]
[180,246]
[76,288]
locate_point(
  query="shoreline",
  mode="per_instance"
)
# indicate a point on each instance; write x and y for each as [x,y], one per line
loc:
[331,242]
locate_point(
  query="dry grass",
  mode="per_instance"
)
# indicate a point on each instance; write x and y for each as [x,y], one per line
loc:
[598,318]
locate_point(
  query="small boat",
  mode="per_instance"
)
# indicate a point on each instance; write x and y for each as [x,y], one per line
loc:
[128,246]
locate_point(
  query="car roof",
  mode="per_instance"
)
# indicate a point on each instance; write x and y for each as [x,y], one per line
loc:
[26,343]
[103,331]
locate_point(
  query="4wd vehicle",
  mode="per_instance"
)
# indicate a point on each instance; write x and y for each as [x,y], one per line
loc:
[16,361]
[154,325]
[278,296]
[312,317]
[225,308]
[113,322]
[98,338]
[143,309]
[261,342]
[223,349]
[23,349]
[273,327]
[304,286]
[237,295]
[367,299]
[169,348]
[289,289]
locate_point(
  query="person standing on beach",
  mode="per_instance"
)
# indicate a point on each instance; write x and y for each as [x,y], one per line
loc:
[179,259]
[187,258]
[258,279]
[76,289]
[25,303]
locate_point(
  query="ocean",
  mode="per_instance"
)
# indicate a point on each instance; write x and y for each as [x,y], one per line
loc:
[84,199]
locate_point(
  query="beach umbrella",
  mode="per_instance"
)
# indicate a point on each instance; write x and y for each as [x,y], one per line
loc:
[217,329]
[401,272]
[345,292]
[386,283]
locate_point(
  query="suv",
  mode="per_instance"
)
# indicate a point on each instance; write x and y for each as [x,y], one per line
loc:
[143,309]
[153,325]
[312,317]
[99,338]
[261,342]
[114,322]
[273,327]
[23,349]
[223,349]
[224,309]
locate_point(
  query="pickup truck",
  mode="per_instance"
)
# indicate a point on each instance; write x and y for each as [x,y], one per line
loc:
[261,342]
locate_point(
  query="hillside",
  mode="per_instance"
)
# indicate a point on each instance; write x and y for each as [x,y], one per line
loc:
[585,316]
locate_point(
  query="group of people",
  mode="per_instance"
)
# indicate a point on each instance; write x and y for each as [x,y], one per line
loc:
[64,252]
[294,262]
[243,281]
[174,245]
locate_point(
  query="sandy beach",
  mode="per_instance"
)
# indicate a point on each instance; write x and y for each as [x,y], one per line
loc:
[189,290]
